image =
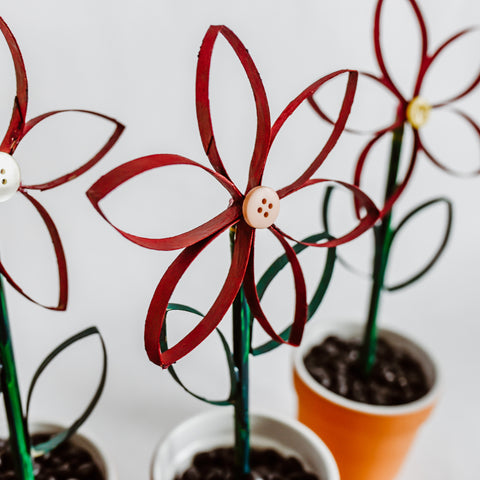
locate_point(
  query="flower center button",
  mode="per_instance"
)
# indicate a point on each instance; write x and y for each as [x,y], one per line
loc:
[9,176]
[261,207]
[418,112]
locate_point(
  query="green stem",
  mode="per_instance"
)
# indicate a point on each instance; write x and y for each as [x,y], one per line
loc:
[19,440]
[241,352]
[383,234]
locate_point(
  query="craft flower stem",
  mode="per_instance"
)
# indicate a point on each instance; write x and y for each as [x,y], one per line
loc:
[19,440]
[383,236]
[242,333]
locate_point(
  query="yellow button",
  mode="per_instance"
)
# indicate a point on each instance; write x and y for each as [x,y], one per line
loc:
[418,112]
[9,176]
[261,207]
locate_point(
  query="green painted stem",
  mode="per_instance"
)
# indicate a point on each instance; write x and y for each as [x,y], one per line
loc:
[19,440]
[241,352]
[383,233]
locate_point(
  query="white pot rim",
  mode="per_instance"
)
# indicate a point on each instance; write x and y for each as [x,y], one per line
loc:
[222,415]
[314,336]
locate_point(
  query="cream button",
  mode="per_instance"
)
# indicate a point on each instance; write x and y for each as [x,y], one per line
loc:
[418,112]
[9,176]
[261,207]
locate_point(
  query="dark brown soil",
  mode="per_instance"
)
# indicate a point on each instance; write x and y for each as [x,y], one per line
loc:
[265,464]
[66,462]
[396,377]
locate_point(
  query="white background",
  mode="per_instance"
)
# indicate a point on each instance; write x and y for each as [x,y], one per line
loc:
[136,62]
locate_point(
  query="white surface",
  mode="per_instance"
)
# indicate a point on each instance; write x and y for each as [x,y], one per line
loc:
[136,61]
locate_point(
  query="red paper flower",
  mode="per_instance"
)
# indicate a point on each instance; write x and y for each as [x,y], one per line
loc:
[412,110]
[243,211]
[10,181]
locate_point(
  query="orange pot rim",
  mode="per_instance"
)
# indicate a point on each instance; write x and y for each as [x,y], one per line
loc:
[351,329]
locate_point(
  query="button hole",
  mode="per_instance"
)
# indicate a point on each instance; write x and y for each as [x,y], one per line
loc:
[270,206]
[259,209]
[2,171]
[265,214]
[264,201]
[4,181]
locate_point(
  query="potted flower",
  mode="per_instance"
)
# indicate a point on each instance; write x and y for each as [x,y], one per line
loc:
[24,454]
[387,385]
[257,208]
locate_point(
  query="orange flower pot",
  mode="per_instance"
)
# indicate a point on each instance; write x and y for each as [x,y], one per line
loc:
[369,442]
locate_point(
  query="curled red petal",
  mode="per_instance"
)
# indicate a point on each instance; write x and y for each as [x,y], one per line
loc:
[17,122]
[339,125]
[60,256]
[476,80]
[95,159]
[379,54]
[113,179]
[301,308]
[164,290]
[362,201]
[439,164]
[203,104]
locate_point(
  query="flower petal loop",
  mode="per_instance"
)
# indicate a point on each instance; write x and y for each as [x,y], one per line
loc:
[85,167]
[9,176]
[300,316]
[261,207]
[476,128]
[161,297]
[366,207]
[59,253]
[473,84]
[262,140]
[339,125]
[125,172]
[387,79]
[17,122]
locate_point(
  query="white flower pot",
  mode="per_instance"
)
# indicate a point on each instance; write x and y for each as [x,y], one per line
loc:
[215,429]
[99,457]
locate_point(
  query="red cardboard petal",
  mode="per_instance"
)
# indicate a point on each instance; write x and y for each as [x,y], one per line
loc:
[362,202]
[203,104]
[300,317]
[476,81]
[319,111]
[379,54]
[164,290]
[17,122]
[359,168]
[476,127]
[125,172]
[59,253]
[339,125]
[82,169]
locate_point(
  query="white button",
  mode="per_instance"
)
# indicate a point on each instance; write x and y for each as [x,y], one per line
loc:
[9,176]
[261,207]
[418,112]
